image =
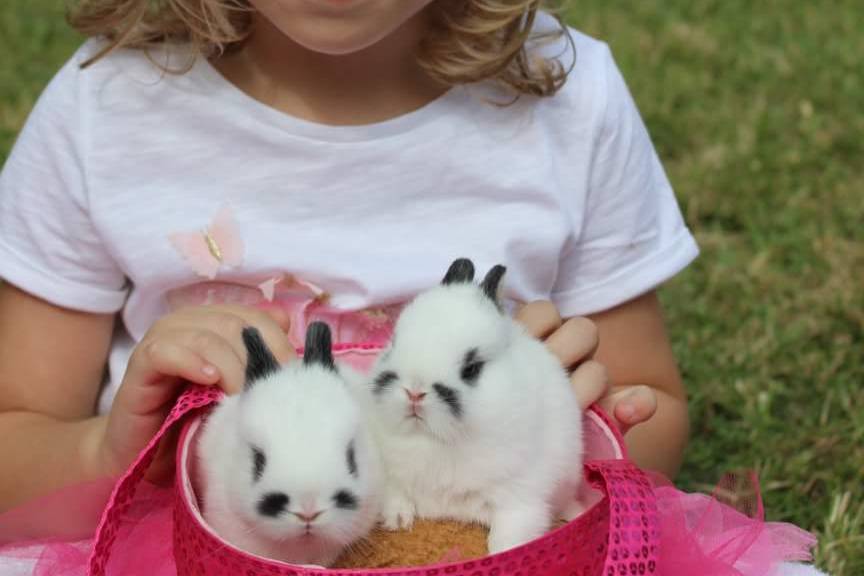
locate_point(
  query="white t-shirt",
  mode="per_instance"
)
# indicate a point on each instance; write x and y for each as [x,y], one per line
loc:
[119,160]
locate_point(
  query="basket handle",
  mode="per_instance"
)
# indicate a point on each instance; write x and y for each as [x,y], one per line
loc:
[633,544]
[193,399]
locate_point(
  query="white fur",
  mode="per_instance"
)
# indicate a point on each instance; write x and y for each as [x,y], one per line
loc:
[514,460]
[303,419]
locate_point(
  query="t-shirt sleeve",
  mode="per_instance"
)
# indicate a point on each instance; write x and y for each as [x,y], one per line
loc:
[49,245]
[630,235]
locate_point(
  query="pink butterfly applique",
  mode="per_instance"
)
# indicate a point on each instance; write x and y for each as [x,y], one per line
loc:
[210,249]
[268,287]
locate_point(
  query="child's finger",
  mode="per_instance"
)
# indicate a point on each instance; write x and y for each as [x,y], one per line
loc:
[590,381]
[153,362]
[171,358]
[635,405]
[230,321]
[219,355]
[261,315]
[574,342]
[278,315]
[540,318]
[272,333]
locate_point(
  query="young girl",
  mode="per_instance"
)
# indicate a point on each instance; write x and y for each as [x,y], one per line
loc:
[200,166]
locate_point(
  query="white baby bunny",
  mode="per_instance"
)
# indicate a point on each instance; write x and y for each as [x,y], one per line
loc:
[475,419]
[288,466]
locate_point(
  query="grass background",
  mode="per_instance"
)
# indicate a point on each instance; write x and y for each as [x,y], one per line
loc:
[757,110]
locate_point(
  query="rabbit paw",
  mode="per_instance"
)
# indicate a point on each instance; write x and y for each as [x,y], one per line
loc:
[513,527]
[397,512]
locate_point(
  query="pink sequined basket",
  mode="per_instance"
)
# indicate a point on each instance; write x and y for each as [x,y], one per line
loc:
[618,534]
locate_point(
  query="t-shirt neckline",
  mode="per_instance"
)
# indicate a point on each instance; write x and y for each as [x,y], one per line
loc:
[329,132]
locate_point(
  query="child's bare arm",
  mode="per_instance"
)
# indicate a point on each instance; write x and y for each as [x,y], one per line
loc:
[636,352]
[51,365]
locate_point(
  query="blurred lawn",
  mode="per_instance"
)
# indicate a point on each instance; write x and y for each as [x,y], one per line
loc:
[758,112]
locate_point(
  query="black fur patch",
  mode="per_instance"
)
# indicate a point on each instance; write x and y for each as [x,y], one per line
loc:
[273,504]
[472,367]
[318,349]
[260,362]
[460,272]
[492,281]
[384,381]
[346,500]
[450,397]
[351,458]
[258,463]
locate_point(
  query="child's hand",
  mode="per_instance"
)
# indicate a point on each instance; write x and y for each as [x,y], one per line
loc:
[201,345]
[574,342]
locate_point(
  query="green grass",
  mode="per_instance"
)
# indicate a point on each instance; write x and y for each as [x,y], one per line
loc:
[34,42]
[756,110]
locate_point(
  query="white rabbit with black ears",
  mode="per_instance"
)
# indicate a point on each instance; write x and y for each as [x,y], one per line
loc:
[289,469]
[475,419]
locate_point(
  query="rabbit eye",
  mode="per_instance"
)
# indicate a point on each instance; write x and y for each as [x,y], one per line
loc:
[273,504]
[471,372]
[345,500]
[258,463]
[351,458]
[384,381]
[472,366]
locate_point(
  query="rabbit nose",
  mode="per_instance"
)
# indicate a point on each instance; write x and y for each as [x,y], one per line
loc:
[415,397]
[307,517]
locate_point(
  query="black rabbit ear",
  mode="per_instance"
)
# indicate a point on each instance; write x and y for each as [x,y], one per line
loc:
[260,362]
[318,348]
[491,284]
[460,272]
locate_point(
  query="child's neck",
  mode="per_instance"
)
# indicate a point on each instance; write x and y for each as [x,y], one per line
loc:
[372,85]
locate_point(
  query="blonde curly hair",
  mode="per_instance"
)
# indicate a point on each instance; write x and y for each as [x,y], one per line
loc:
[468,40]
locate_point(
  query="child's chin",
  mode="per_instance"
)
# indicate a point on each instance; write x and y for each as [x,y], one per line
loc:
[333,37]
